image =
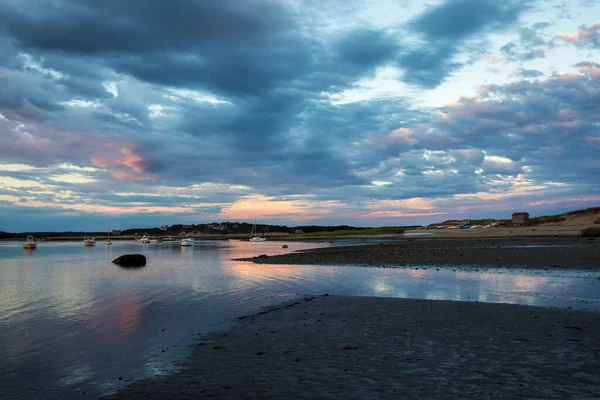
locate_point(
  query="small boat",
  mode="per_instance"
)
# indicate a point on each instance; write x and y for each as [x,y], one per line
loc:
[144,239]
[89,242]
[107,242]
[155,240]
[168,239]
[256,238]
[187,242]
[30,243]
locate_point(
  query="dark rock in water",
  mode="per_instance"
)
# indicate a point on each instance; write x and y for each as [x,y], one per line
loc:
[130,260]
[285,246]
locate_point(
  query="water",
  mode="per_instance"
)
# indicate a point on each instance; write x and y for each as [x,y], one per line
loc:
[73,322]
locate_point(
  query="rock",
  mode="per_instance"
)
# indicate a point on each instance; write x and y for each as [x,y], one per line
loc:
[285,246]
[130,260]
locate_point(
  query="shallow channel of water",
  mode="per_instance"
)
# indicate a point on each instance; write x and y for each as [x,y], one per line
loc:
[76,322]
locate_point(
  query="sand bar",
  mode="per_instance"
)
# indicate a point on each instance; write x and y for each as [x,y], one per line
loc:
[381,348]
[550,253]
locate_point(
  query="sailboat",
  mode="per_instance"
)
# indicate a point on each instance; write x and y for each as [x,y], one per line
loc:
[107,242]
[87,242]
[256,238]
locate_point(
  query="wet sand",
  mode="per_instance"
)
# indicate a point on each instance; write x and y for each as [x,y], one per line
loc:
[525,252]
[333,347]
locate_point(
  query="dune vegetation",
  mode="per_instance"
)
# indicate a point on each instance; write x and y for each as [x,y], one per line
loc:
[591,232]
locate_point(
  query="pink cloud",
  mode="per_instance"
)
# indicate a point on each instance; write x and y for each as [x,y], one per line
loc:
[130,177]
[132,160]
[592,139]
[590,69]
[400,214]
[265,207]
[128,165]
[585,35]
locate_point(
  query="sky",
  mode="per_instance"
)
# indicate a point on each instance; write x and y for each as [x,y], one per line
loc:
[118,114]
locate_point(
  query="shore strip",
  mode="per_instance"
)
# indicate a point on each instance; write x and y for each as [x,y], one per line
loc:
[524,253]
[332,347]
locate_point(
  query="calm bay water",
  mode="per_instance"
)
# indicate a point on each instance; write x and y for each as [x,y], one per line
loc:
[73,322]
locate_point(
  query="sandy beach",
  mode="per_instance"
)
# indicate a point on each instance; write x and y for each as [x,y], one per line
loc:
[524,252]
[331,347]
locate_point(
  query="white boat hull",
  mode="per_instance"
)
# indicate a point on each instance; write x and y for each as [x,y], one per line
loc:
[187,242]
[30,243]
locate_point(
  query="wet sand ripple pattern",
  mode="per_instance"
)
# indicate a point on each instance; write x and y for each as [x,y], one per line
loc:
[364,347]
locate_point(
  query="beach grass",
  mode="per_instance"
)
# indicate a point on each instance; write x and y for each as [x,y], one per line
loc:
[591,232]
[353,232]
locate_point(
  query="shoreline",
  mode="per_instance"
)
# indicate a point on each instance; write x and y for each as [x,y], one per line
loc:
[523,252]
[368,347]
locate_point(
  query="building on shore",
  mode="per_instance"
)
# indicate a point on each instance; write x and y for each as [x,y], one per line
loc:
[520,219]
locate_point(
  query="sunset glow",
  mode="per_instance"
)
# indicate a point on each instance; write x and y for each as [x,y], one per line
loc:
[293,114]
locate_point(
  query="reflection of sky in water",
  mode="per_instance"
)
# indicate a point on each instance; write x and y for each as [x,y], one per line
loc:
[70,318]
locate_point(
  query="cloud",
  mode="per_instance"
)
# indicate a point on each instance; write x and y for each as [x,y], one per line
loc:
[532,44]
[446,29]
[523,130]
[200,109]
[222,46]
[86,27]
[589,68]
[366,48]
[586,36]
[530,73]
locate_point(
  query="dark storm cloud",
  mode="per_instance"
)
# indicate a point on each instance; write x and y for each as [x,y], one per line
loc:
[252,55]
[235,47]
[366,48]
[113,26]
[445,29]
[175,102]
[429,66]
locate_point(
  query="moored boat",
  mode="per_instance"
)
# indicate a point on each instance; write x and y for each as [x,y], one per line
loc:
[89,242]
[254,238]
[30,243]
[144,239]
[187,242]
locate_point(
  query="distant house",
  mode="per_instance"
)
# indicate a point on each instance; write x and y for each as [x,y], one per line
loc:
[520,218]
[298,231]
[116,232]
[164,228]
